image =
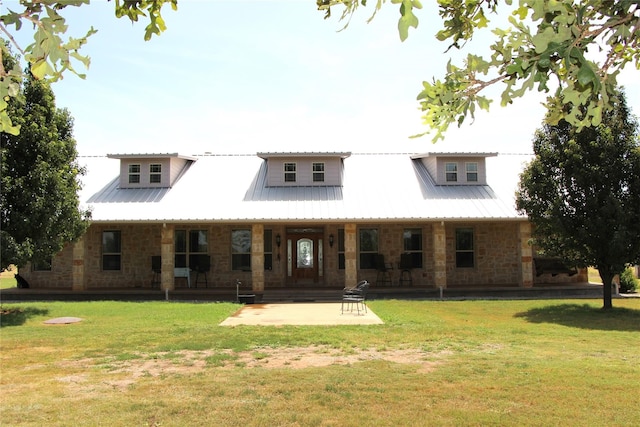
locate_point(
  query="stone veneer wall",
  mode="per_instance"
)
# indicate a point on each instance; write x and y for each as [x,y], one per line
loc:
[497,257]
[60,275]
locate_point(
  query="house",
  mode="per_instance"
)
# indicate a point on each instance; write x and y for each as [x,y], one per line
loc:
[298,220]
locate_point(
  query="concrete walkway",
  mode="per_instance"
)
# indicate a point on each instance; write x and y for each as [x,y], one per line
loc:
[319,313]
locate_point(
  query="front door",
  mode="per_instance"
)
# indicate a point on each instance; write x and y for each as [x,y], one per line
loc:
[304,258]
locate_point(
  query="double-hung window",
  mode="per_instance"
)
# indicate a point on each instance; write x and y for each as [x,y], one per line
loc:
[155,173]
[472,171]
[241,250]
[464,248]
[134,174]
[111,250]
[318,172]
[412,243]
[368,246]
[290,172]
[451,172]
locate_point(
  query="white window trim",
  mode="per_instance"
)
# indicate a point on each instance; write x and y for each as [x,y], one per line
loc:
[133,173]
[293,173]
[157,173]
[453,172]
[468,172]
[320,173]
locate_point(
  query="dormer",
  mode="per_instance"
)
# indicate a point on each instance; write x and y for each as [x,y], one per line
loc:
[304,169]
[151,170]
[456,168]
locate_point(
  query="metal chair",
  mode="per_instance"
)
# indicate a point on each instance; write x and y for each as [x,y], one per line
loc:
[405,269]
[384,271]
[355,296]
[201,264]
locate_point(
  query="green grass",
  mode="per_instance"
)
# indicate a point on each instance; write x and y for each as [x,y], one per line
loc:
[547,362]
[7,282]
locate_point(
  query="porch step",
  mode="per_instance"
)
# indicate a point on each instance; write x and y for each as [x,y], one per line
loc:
[298,295]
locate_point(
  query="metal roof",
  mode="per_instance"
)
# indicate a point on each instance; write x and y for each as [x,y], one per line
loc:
[377,187]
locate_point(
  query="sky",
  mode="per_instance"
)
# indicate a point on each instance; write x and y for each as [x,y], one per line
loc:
[243,76]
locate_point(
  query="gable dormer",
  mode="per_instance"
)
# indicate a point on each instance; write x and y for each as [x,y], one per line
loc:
[151,170]
[456,168]
[304,169]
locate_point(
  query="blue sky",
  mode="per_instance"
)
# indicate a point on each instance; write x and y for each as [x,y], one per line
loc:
[245,76]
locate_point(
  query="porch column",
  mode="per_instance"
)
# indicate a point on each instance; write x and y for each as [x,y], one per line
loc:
[440,255]
[167,245]
[350,256]
[77,271]
[257,258]
[526,255]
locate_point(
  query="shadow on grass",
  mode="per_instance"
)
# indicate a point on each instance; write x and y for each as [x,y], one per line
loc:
[17,316]
[586,317]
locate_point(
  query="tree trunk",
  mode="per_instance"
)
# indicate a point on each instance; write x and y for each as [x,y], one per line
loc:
[607,277]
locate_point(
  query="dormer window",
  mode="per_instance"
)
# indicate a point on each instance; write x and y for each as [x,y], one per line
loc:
[472,171]
[155,173]
[294,169]
[134,174]
[318,172]
[451,172]
[290,172]
[456,168]
[151,170]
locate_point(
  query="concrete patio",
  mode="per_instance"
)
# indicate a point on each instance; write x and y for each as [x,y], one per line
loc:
[319,313]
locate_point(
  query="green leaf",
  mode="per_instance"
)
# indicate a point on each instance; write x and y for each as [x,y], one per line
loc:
[587,76]
[40,69]
[407,19]
[6,125]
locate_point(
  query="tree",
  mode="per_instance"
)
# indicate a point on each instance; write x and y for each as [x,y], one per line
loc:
[556,50]
[560,50]
[49,57]
[39,208]
[582,193]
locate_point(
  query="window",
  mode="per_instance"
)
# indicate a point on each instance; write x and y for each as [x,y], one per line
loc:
[451,172]
[268,250]
[318,172]
[464,248]
[111,250]
[289,172]
[190,245]
[368,240]
[412,238]
[180,243]
[305,253]
[341,248]
[134,174]
[155,173]
[472,172]
[241,250]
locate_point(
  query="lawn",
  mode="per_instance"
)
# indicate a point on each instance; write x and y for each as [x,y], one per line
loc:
[544,362]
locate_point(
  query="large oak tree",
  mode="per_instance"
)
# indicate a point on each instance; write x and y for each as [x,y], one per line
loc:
[582,193]
[574,49]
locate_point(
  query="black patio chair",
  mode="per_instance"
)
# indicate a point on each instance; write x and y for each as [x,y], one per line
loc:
[355,296]
[384,271]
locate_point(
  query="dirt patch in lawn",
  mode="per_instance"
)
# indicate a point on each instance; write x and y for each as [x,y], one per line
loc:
[128,372]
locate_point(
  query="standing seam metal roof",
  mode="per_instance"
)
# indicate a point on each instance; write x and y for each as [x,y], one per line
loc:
[379,187]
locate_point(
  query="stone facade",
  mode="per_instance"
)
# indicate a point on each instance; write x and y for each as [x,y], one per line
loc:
[502,257]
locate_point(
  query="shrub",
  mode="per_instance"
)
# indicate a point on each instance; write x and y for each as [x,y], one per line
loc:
[628,283]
